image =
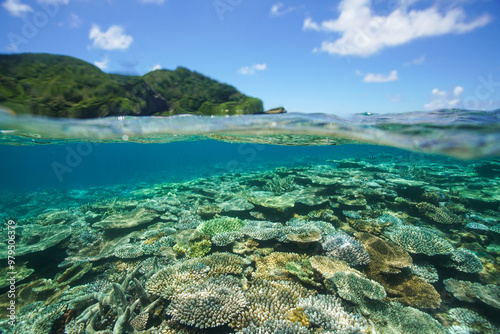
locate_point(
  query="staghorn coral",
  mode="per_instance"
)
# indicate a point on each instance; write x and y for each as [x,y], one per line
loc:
[466,261]
[269,300]
[420,240]
[346,248]
[353,287]
[326,312]
[210,304]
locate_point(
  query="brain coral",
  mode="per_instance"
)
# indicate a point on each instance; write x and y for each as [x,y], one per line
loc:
[209,304]
[420,240]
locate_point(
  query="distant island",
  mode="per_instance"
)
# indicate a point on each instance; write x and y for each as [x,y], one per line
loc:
[63,86]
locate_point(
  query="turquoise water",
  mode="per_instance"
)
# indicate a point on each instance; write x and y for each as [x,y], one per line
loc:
[295,223]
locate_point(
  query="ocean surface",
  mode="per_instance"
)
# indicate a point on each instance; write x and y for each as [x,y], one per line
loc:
[290,223]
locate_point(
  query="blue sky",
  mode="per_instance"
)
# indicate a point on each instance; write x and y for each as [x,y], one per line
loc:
[338,57]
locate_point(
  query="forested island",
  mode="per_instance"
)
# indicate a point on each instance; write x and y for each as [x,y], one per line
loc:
[63,86]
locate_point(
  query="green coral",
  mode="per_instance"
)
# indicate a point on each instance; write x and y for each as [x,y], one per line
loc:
[199,249]
[303,271]
[220,225]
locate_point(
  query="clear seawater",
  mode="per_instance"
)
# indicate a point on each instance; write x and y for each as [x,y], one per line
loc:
[165,178]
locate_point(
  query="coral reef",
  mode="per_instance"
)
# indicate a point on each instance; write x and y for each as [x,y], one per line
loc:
[345,247]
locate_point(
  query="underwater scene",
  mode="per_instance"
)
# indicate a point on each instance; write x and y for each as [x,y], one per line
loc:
[287,223]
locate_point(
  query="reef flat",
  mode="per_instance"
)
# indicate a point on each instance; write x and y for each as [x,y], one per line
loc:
[379,245]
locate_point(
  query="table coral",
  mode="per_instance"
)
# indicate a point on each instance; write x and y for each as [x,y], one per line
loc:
[420,240]
[354,287]
[344,247]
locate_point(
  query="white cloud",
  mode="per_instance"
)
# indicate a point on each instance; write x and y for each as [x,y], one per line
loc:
[364,33]
[279,9]
[250,70]
[441,99]
[417,61]
[158,2]
[156,67]
[114,38]
[16,8]
[103,64]
[372,77]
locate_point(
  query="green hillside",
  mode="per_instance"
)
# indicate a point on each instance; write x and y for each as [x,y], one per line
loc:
[61,86]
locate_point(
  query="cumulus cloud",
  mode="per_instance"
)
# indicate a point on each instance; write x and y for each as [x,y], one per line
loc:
[112,39]
[443,100]
[16,8]
[250,70]
[372,77]
[279,9]
[103,64]
[417,61]
[364,33]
